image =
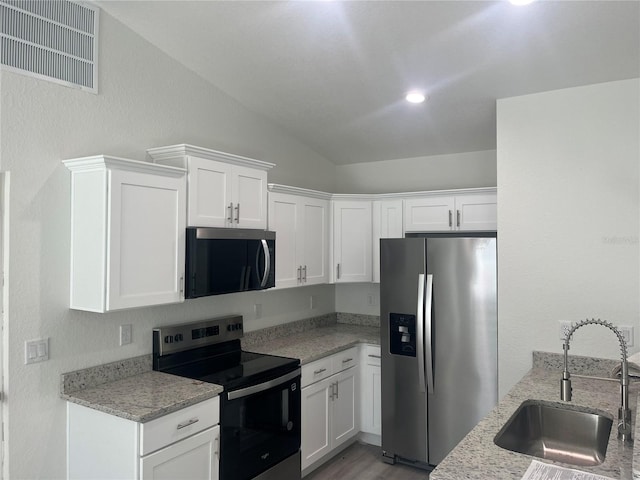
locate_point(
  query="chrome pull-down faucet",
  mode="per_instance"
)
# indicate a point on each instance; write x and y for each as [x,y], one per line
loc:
[624,412]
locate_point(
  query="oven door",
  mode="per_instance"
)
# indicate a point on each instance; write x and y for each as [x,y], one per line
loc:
[260,426]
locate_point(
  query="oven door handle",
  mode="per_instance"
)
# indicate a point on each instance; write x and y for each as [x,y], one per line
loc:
[245,392]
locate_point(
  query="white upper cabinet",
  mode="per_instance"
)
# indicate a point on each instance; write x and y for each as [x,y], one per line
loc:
[352,241]
[224,190]
[300,219]
[127,233]
[387,223]
[456,212]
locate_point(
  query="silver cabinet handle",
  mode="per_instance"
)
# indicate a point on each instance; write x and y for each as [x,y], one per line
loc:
[458,218]
[304,269]
[337,390]
[450,218]
[347,360]
[331,392]
[182,285]
[374,356]
[318,372]
[338,271]
[299,274]
[188,423]
[238,213]
[230,217]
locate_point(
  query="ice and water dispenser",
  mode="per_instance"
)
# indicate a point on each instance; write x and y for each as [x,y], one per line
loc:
[402,334]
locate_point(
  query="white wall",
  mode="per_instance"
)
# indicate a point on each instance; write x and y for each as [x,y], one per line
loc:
[146,99]
[568,220]
[436,172]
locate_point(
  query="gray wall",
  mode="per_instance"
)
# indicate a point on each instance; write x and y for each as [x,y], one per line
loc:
[146,99]
[568,220]
[437,172]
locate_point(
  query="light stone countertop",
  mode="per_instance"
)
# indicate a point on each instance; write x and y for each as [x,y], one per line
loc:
[145,396]
[476,457]
[315,343]
[131,389]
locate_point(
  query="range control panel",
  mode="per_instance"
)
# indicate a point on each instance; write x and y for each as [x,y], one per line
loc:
[176,338]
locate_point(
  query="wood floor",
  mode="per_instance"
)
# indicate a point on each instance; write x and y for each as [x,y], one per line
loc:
[364,462]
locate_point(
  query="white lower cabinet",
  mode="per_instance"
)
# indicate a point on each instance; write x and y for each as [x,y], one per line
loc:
[370,395]
[330,405]
[192,458]
[183,444]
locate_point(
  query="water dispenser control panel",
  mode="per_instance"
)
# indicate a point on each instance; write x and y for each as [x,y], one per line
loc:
[402,334]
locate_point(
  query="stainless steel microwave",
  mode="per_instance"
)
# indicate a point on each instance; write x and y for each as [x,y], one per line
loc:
[228,260]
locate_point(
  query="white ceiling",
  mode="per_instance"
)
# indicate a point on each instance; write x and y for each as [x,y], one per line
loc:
[334,73]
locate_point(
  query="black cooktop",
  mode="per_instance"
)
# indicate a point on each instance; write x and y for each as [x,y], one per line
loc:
[236,369]
[210,350]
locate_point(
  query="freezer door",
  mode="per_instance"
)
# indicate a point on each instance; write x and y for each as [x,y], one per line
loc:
[465,335]
[404,409]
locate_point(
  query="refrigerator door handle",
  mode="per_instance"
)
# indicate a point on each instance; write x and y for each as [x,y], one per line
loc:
[420,333]
[427,334]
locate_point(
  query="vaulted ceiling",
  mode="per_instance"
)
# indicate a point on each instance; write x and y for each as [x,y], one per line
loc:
[334,73]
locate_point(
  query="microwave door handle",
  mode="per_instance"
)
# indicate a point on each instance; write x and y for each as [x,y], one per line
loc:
[267,262]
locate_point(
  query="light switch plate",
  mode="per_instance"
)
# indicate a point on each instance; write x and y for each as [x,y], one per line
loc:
[36,351]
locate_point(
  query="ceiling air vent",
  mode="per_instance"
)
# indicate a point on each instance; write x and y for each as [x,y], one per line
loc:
[55,40]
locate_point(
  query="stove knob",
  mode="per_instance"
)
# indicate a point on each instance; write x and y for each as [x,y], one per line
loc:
[229,327]
[168,339]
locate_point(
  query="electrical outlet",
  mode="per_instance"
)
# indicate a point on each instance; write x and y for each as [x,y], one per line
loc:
[312,302]
[36,351]
[627,333]
[126,334]
[565,326]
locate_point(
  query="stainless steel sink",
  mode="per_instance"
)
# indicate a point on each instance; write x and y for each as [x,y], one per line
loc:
[556,431]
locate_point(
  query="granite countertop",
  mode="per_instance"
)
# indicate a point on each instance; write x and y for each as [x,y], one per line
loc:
[145,396]
[131,389]
[477,457]
[315,343]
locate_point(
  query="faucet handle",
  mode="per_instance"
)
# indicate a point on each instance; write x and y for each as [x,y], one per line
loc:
[565,387]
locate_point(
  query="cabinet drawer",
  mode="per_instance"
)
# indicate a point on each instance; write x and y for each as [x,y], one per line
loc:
[345,359]
[178,425]
[371,355]
[314,371]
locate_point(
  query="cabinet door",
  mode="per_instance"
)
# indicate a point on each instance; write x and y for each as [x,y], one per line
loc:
[316,440]
[249,191]
[352,241]
[345,419]
[283,219]
[314,240]
[429,214]
[209,193]
[387,223]
[194,458]
[146,240]
[477,212]
[370,405]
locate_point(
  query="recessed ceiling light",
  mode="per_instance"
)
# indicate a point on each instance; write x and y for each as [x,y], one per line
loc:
[521,2]
[415,97]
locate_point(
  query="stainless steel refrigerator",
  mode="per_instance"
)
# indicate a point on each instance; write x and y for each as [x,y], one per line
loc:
[438,321]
